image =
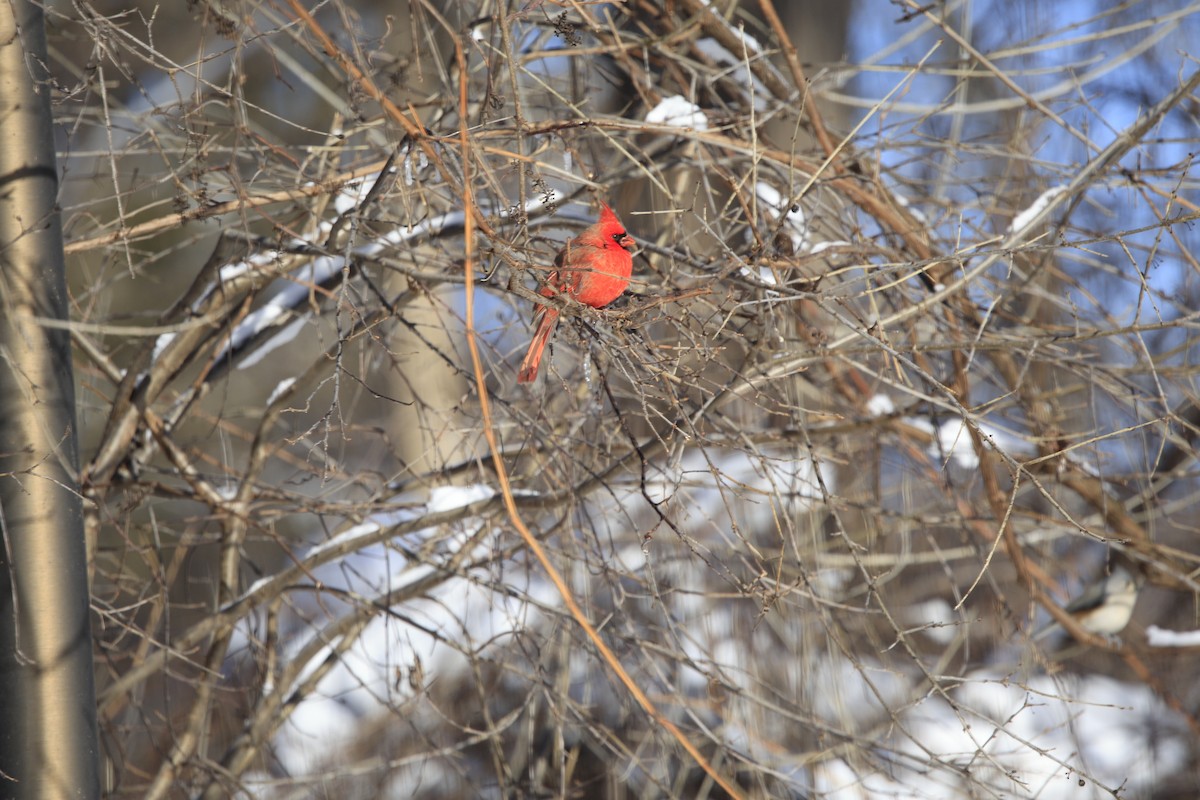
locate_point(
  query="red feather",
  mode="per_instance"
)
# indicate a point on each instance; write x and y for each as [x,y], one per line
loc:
[593,269]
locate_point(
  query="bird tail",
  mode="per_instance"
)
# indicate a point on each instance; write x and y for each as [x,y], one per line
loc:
[546,319]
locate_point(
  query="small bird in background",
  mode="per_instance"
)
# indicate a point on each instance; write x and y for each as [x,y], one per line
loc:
[593,268]
[1105,606]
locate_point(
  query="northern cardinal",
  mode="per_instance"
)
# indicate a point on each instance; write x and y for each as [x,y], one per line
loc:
[593,268]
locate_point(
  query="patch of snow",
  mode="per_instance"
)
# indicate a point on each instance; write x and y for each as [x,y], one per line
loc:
[281,387]
[1022,220]
[880,405]
[794,222]
[1161,637]
[677,111]
[447,498]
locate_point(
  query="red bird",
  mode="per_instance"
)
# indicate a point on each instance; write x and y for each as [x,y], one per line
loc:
[593,268]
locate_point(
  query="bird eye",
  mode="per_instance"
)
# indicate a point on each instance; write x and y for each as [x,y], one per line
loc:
[617,237]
